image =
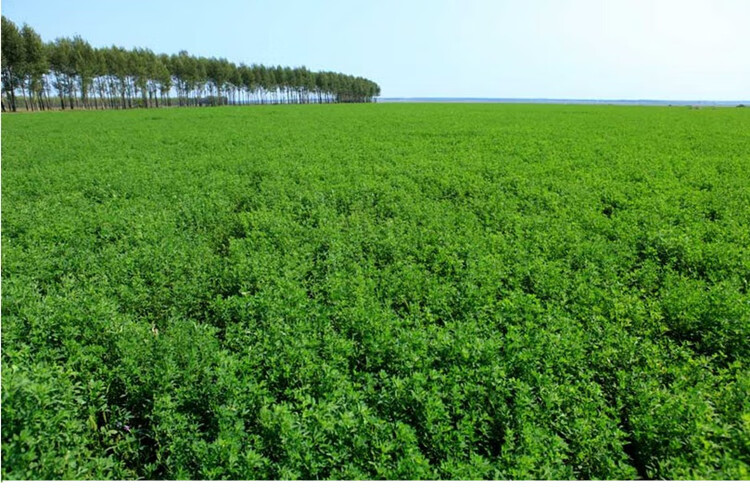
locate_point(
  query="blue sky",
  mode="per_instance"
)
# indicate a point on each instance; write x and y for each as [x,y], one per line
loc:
[575,49]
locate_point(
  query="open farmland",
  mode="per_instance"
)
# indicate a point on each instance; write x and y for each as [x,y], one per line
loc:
[376,291]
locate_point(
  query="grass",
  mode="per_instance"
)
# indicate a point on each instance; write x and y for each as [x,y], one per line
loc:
[412,291]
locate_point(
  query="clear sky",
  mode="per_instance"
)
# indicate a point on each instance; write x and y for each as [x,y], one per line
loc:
[574,49]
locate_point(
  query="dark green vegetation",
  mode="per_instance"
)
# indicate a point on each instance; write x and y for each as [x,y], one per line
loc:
[70,73]
[390,291]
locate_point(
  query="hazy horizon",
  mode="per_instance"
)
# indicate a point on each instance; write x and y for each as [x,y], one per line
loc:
[666,50]
[554,99]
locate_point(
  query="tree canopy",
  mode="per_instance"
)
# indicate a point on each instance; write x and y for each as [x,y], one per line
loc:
[69,73]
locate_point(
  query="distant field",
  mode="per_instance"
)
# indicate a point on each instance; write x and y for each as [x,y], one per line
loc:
[416,291]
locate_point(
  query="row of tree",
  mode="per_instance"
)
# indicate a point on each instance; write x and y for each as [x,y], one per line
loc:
[69,73]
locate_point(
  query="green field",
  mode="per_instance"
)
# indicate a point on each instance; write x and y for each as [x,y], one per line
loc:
[416,291]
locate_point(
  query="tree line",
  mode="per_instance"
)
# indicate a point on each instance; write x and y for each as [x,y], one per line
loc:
[69,73]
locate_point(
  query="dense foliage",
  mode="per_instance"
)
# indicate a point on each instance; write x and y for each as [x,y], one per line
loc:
[393,291]
[81,76]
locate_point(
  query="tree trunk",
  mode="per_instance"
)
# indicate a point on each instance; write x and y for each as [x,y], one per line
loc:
[23,94]
[11,99]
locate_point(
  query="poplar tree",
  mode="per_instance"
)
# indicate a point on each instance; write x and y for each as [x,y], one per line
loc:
[11,60]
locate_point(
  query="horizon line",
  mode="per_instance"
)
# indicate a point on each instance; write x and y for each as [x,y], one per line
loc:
[565,99]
